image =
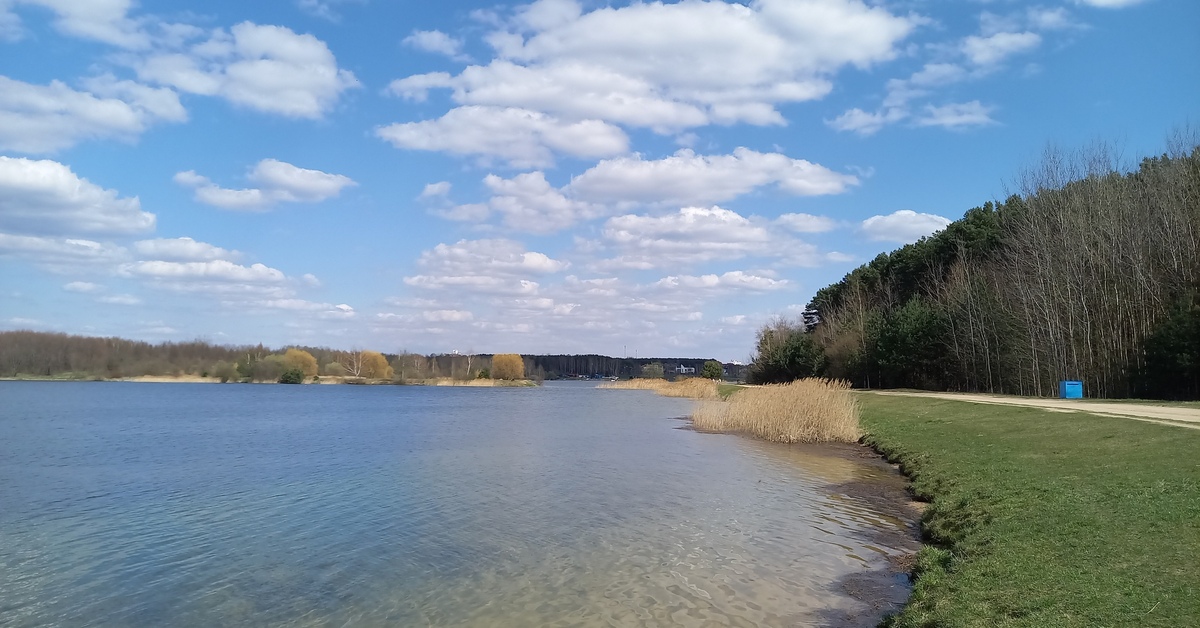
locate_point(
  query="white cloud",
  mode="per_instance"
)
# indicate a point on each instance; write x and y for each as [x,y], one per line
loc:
[806,223]
[63,255]
[436,190]
[696,234]
[904,226]
[1044,18]
[520,137]
[119,299]
[733,281]
[447,316]
[493,257]
[991,50]
[957,115]
[864,123]
[529,203]
[49,118]
[266,68]
[1109,4]
[182,250]
[83,286]
[215,270]
[280,182]
[671,66]
[106,21]
[324,9]
[437,42]
[686,178]
[693,234]
[325,311]
[494,266]
[45,197]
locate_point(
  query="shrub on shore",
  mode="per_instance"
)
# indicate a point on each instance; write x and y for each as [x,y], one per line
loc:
[804,411]
[508,366]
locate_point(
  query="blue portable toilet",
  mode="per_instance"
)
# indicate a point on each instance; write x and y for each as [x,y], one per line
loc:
[1068,389]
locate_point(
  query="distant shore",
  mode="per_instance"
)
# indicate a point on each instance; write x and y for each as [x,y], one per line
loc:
[330,379]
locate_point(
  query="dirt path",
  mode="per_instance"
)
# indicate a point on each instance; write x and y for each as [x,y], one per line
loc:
[1165,415]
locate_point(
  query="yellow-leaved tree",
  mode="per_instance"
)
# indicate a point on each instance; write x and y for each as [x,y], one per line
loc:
[374,365]
[300,359]
[508,366]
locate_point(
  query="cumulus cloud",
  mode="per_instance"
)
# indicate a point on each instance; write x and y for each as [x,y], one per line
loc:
[49,118]
[44,197]
[991,50]
[436,42]
[83,286]
[447,316]
[1110,4]
[865,123]
[436,190]
[529,203]
[62,255]
[279,182]
[266,68]
[520,137]
[687,178]
[182,250]
[732,281]
[806,223]
[697,234]
[956,115]
[119,299]
[669,66]
[320,310]
[903,226]
[496,266]
[215,270]
[106,21]
[324,9]
[493,256]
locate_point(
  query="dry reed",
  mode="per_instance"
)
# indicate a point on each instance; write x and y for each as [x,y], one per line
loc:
[692,388]
[804,411]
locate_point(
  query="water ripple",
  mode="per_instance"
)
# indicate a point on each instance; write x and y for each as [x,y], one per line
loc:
[173,505]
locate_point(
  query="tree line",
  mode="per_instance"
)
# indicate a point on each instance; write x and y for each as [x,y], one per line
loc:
[1089,272]
[41,354]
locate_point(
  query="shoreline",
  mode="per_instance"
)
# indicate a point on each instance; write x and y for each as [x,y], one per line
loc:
[324,380]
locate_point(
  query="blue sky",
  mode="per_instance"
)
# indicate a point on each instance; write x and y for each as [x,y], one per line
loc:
[563,176]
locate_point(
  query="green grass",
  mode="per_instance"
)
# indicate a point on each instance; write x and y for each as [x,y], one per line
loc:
[728,389]
[1045,519]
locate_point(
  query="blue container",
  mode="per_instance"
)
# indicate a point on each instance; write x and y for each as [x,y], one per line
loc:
[1068,389]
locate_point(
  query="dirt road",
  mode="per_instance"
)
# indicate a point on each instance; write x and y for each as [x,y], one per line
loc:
[1166,415]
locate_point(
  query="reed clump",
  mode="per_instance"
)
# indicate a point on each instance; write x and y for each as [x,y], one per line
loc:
[692,388]
[804,411]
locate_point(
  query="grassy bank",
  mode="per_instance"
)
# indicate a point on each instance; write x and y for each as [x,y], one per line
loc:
[1046,519]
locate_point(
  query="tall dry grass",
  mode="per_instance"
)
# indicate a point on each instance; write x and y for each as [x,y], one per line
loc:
[692,388]
[804,411]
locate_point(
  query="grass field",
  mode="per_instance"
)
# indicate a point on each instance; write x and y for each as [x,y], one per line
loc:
[1045,519]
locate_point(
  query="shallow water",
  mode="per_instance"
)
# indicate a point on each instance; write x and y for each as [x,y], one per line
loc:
[127,504]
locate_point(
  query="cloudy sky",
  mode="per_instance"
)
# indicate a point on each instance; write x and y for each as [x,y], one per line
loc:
[650,178]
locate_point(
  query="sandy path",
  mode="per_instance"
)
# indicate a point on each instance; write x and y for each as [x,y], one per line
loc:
[1165,415]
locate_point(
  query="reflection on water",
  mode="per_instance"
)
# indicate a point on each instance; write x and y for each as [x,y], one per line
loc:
[157,504]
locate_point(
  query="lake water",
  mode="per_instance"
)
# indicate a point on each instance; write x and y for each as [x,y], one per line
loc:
[127,504]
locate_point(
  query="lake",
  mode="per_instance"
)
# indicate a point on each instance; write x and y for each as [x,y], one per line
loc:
[138,504]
